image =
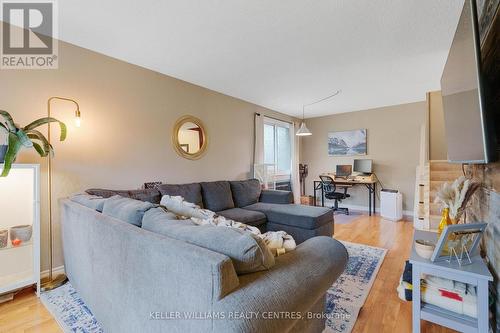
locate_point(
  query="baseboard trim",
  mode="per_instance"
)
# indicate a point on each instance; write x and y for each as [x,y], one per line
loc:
[406,213]
[55,271]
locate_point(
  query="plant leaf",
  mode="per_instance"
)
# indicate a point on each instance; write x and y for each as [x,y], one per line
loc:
[2,127]
[14,146]
[8,120]
[36,135]
[25,141]
[47,120]
[40,150]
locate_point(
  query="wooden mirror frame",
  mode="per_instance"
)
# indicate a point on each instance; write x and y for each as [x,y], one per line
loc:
[175,137]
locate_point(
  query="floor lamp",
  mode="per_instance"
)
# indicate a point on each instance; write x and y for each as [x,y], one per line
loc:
[52,282]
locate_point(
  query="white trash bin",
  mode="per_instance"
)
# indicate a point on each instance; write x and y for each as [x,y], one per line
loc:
[391,205]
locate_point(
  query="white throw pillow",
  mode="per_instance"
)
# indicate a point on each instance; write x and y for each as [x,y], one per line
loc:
[180,207]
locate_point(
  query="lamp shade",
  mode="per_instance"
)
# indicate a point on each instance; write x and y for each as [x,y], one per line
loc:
[303,130]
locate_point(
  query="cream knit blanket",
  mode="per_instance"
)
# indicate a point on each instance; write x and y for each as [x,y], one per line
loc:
[279,242]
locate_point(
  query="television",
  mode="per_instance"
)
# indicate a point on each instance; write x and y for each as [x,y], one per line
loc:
[363,166]
[468,123]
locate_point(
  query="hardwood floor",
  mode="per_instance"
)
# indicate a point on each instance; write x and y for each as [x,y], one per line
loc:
[383,311]
[26,314]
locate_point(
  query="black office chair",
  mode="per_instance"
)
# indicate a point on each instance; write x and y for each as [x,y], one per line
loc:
[329,190]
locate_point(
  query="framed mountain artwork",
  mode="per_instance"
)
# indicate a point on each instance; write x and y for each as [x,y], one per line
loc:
[347,143]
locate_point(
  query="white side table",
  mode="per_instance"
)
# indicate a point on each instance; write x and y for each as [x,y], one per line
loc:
[475,273]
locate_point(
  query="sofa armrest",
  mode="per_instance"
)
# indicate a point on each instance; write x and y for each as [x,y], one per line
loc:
[298,280]
[276,197]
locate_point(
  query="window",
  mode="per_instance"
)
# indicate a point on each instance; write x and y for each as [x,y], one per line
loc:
[277,146]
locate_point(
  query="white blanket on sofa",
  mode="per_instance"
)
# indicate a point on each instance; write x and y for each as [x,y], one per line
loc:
[279,242]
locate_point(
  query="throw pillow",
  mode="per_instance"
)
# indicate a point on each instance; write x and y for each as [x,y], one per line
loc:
[149,195]
[126,209]
[217,196]
[190,192]
[245,192]
[181,207]
[91,201]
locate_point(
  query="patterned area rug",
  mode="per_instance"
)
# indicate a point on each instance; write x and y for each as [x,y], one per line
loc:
[69,310]
[348,294]
[344,299]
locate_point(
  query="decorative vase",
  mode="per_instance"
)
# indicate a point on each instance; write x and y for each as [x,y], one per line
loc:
[445,220]
[4,235]
[21,232]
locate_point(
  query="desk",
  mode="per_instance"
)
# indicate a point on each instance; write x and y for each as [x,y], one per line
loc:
[475,273]
[371,186]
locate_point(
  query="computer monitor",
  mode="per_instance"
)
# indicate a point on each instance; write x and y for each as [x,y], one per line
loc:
[363,166]
[343,170]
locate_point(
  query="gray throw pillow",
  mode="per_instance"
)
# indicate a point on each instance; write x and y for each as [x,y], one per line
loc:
[190,192]
[126,209]
[217,196]
[91,201]
[248,252]
[149,195]
[245,192]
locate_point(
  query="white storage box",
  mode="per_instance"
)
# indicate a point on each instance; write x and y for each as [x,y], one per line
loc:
[391,205]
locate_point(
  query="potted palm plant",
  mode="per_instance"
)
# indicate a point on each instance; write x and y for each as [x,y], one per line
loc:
[25,137]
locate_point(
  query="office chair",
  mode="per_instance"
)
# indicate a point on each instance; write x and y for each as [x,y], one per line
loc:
[329,190]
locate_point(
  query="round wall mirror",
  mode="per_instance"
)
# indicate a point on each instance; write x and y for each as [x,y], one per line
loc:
[189,137]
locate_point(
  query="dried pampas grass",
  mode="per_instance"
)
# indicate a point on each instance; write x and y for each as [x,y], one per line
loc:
[455,196]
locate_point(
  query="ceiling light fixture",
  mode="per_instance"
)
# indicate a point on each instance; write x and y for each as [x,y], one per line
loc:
[303,130]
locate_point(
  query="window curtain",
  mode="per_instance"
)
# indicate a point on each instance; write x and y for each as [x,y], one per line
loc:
[258,155]
[294,140]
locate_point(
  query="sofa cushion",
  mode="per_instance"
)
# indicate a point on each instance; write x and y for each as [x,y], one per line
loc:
[126,209]
[276,197]
[301,216]
[250,217]
[245,192]
[248,252]
[91,201]
[217,196]
[149,195]
[190,192]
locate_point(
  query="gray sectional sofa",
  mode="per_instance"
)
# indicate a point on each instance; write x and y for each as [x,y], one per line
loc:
[245,202]
[141,269]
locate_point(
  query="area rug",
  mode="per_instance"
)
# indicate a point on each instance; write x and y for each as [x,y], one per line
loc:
[343,301]
[69,310]
[348,294]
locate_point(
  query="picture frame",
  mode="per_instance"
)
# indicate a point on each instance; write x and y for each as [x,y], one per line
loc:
[347,143]
[458,241]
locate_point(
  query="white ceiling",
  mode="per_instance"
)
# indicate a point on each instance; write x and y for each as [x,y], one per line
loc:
[280,54]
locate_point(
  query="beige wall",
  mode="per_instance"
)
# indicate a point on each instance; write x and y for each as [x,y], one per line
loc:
[437,138]
[127,117]
[393,144]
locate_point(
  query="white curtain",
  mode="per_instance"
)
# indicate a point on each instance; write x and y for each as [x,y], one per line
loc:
[294,141]
[258,155]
